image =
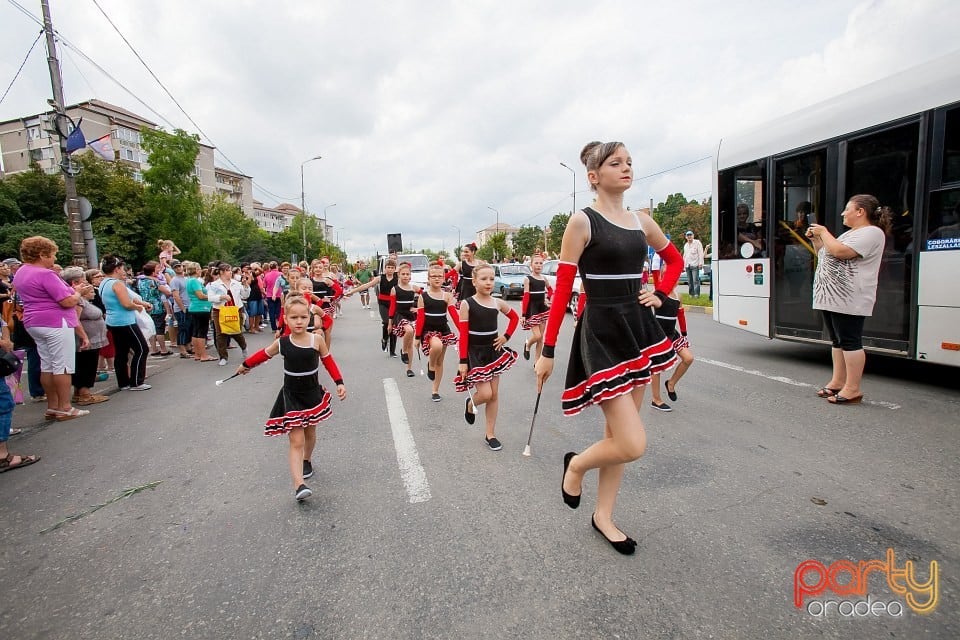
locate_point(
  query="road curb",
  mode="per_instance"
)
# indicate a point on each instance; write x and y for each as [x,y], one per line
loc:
[689,308]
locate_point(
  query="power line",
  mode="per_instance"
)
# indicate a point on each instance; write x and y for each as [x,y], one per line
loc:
[679,166]
[17,74]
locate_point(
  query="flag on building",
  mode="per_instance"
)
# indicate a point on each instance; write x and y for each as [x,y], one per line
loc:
[103,147]
[76,140]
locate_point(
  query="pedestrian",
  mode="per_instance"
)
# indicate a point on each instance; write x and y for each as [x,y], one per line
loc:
[464,268]
[670,317]
[402,317]
[8,461]
[535,307]
[483,354]
[692,262]
[131,348]
[199,309]
[845,289]
[432,332]
[384,283]
[302,402]
[91,318]
[181,317]
[151,286]
[617,344]
[224,291]
[363,276]
[271,297]
[256,308]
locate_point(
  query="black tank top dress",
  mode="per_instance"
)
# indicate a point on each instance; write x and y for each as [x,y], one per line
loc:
[618,343]
[485,362]
[302,402]
[435,323]
[465,287]
[537,309]
[404,314]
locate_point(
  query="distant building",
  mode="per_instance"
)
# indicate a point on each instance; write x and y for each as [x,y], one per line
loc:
[236,188]
[483,235]
[274,219]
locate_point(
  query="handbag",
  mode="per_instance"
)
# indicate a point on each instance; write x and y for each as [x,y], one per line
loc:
[9,363]
[230,319]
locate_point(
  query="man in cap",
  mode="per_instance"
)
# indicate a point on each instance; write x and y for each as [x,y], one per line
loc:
[692,261]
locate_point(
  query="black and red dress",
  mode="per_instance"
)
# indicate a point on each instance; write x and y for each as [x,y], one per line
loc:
[402,312]
[465,287]
[302,402]
[384,286]
[617,344]
[435,323]
[485,362]
[535,309]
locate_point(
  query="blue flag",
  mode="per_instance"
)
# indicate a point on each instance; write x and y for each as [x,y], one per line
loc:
[76,140]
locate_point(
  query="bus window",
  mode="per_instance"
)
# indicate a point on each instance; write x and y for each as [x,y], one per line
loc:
[743,230]
[951,147]
[943,226]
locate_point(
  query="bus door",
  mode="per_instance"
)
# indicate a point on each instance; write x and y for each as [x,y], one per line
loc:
[884,165]
[800,199]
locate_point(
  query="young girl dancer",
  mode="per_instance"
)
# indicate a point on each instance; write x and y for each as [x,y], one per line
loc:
[669,318]
[617,344]
[302,402]
[403,298]
[384,284]
[535,307]
[463,280]
[483,356]
[432,332]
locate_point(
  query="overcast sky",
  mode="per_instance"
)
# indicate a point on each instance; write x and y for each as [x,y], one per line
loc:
[427,113]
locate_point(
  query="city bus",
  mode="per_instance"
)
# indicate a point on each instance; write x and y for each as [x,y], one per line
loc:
[897,139]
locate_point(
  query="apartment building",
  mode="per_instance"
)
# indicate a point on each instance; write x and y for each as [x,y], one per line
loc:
[483,235]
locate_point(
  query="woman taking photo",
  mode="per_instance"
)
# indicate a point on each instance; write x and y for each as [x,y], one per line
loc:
[131,349]
[845,289]
[91,317]
[617,344]
[50,317]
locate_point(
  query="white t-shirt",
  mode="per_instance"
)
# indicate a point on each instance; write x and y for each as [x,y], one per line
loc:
[850,286]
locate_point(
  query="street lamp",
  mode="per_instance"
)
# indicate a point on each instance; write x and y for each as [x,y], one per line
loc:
[574,194]
[497,228]
[303,204]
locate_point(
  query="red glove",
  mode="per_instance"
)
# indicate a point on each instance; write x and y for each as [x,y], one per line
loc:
[512,325]
[566,272]
[421,318]
[331,366]
[673,262]
[682,321]
[455,314]
[258,357]
[393,305]
[464,339]
[524,303]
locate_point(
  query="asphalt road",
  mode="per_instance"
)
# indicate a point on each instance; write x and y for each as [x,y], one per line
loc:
[424,533]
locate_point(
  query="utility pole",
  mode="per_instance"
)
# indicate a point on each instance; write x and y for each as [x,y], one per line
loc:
[78,245]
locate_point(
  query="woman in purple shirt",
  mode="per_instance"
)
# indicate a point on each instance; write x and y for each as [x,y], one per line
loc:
[50,317]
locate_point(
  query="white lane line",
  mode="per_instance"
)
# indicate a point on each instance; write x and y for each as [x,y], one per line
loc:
[784,380]
[411,471]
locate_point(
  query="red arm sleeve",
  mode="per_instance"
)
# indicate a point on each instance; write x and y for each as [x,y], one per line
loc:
[525,303]
[331,366]
[673,263]
[566,272]
[512,325]
[464,339]
[682,321]
[581,303]
[454,277]
[393,305]
[421,318]
[454,314]
[337,290]
[549,292]
[258,357]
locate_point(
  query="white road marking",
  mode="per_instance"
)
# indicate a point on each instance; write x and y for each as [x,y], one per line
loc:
[411,471]
[784,380]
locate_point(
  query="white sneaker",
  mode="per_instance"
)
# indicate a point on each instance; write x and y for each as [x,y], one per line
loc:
[141,387]
[223,362]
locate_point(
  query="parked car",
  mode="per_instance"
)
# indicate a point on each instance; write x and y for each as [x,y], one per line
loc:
[550,273]
[705,273]
[508,280]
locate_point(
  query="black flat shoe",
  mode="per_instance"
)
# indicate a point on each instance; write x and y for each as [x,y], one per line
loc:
[307,470]
[571,501]
[626,547]
[430,374]
[383,345]
[469,416]
[409,373]
[671,393]
[526,351]
[403,357]
[302,493]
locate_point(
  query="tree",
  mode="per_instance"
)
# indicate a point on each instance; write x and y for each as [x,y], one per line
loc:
[11,235]
[495,248]
[9,209]
[230,232]
[172,194]
[119,215]
[39,195]
[670,208]
[527,240]
[694,216]
[289,242]
[558,224]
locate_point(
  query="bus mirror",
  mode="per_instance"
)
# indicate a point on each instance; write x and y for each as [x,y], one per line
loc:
[746,250]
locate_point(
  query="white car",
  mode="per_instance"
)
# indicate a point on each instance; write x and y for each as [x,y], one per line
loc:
[550,273]
[418,266]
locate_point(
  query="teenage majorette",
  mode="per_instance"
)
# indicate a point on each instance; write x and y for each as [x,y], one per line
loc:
[535,307]
[384,284]
[483,354]
[403,298]
[463,272]
[302,402]
[669,317]
[433,334]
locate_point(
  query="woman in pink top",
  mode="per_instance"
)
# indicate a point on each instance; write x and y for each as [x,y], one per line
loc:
[50,317]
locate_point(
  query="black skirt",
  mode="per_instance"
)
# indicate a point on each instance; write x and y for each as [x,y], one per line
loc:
[486,363]
[302,402]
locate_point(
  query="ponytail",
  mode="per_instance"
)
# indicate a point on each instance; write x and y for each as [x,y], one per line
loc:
[878,216]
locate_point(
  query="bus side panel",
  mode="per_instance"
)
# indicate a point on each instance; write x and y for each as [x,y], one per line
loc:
[743,294]
[938,319]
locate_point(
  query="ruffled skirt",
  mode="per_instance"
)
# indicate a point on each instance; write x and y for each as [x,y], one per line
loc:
[399,328]
[445,335]
[301,403]
[536,320]
[486,363]
[616,346]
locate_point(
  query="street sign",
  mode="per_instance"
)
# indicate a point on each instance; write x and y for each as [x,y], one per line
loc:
[86,209]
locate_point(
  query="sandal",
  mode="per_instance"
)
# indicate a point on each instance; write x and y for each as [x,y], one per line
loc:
[91,399]
[827,392]
[71,414]
[7,464]
[839,399]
